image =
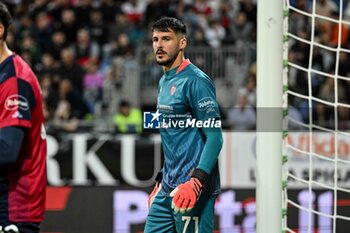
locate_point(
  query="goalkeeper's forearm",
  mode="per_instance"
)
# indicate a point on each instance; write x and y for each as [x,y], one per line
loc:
[211,149]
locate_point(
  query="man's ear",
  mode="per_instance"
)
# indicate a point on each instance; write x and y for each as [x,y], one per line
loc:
[183,43]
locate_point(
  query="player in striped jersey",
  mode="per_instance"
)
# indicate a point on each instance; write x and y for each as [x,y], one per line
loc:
[22,141]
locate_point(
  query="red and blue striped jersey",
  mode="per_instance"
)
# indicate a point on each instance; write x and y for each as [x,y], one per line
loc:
[22,184]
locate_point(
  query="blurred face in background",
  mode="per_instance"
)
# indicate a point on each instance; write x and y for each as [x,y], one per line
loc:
[59,38]
[65,87]
[68,16]
[42,21]
[47,60]
[83,37]
[123,40]
[67,56]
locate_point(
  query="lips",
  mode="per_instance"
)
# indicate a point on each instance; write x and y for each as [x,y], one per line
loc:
[160,53]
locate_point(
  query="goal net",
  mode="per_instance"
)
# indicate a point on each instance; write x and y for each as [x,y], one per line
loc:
[316,145]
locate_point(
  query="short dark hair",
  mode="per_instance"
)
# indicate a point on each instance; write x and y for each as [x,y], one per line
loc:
[124,103]
[5,18]
[166,23]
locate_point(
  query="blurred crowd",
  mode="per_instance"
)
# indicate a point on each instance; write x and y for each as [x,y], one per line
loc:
[71,44]
[327,58]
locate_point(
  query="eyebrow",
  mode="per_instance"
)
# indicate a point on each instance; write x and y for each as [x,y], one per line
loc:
[162,37]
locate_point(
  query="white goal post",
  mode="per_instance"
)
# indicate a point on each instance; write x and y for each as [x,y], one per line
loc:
[269,116]
[303,65]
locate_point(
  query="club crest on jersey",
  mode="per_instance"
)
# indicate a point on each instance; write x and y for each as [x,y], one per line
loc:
[16,102]
[172,89]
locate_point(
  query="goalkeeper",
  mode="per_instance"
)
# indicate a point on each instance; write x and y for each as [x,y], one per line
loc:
[184,196]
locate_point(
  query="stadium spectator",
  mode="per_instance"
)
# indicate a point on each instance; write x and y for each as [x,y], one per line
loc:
[82,11]
[227,11]
[68,25]
[48,65]
[58,43]
[241,30]
[50,95]
[325,7]
[214,33]
[85,49]
[55,9]
[44,30]
[110,9]
[70,69]
[137,34]
[72,102]
[63,119]
[343,118]
[37,7]
[249,90]
[128,119]
[93,84]
[98,28]
[203,8]
[24,27]
[123,47]
[334,32]
[295,119]
[29,47]
[242,116]
[199,38]
[155,9]
[327,91]
[134,9]
[324,114]
[249,8]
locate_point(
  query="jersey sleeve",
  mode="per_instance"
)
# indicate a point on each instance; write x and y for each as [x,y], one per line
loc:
[202,99]
[16,101]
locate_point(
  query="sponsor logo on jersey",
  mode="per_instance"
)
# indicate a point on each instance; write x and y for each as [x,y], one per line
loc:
[165,108]
[16,102]
[206,103]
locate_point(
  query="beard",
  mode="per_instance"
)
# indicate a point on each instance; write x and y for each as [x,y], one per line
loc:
[169,61]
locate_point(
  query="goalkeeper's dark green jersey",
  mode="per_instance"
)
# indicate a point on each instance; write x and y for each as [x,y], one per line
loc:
[187,103]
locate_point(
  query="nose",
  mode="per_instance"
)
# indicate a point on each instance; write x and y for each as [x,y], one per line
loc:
[158,44]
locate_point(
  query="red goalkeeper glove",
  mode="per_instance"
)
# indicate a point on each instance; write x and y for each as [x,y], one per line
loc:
[156,189]
[186,195]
